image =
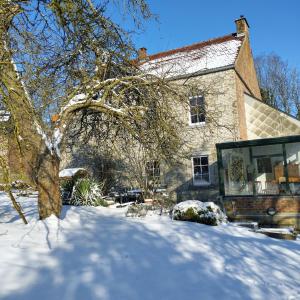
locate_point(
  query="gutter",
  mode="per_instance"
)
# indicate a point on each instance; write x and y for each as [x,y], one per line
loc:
[203,72]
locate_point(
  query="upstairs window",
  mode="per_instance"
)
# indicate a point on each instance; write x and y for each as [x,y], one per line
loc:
[197,110]
[200,170]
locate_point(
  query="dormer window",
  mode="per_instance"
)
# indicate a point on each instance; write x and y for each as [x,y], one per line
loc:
[197,110]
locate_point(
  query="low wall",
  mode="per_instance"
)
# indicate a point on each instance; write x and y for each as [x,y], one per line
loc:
[286,209]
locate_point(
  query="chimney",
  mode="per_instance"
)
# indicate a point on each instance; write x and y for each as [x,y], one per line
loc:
[142,54]
[54,118]
[242,26]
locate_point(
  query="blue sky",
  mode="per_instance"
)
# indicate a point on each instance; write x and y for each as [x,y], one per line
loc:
[274,24]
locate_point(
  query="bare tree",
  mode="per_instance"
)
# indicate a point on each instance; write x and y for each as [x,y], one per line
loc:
[67,56]
[280,83]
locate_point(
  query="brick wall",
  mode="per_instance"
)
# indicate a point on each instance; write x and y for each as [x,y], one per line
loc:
[255,209]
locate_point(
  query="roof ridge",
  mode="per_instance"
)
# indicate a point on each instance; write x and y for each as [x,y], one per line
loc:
[194,46]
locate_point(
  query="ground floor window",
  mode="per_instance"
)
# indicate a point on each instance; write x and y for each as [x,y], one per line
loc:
[153,173]
[200,170]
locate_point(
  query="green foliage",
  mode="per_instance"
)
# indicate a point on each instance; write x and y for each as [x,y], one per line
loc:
[88,192]
[200,212]
[67,185]
[192,215]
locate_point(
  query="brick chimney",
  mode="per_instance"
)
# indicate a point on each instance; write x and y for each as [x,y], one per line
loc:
[142,54]
[242,26]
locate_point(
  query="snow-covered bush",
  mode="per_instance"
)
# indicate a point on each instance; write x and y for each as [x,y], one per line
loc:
[88,192]
[137,210]
[201,212]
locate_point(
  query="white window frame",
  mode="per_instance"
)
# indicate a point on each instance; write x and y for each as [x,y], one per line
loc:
[190,112]
[198,183]
[152,169]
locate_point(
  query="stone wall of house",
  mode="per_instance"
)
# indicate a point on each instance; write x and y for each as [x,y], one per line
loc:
[221,125]
[286,208]
[226,122]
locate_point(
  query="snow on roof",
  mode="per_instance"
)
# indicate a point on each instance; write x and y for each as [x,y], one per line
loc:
[203,56]
[70,172]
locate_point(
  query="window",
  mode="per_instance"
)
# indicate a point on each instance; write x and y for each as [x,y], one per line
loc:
[200,170]
[197,110]
[153,170]
[264,165]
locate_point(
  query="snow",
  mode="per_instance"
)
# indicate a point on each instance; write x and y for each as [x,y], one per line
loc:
[82,98]
[57,138]
[207,210]
[4,115]
[42,133]
[70,172]
[188,62]
[182,206]
[98,253]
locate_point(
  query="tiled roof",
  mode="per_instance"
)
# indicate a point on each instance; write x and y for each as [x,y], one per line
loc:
[203,56]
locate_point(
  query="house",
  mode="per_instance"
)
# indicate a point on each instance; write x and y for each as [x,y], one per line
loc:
[254,178]
[227,111]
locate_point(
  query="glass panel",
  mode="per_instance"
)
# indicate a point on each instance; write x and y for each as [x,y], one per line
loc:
[204,169]
[194,110]
[197,170]
[204,160]
[202,117]
[201,170]
[200,101]
[269,167]
[237,171]
[196,161]
[197,109]
[293,166]
[194,119]
[193,102]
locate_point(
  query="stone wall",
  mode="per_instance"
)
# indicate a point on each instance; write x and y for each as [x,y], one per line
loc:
[221,125]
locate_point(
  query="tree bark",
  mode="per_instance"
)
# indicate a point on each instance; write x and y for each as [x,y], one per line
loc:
[49,199]
[40,163]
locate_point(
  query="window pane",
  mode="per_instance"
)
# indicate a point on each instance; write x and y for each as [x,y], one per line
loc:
[237,171]
[264,165]
[197,170]
[204,160]
[201,170]
[194,110]
[196,161]
[202,117]
[269,166]
[293,166]
[204,169]
[200,101]
[197,109]
[193,102]
[194,119]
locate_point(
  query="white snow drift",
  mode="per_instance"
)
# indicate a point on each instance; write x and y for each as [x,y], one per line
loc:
[98,253]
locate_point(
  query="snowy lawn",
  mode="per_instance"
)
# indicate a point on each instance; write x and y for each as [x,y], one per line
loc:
[97,253]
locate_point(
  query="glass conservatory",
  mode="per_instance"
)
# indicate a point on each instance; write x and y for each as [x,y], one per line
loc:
[260,167]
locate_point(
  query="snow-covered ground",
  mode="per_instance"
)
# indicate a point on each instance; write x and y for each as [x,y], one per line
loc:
[98,253]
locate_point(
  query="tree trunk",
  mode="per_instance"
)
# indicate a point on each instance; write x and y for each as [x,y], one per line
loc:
[41,166]
[49,199]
